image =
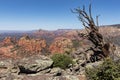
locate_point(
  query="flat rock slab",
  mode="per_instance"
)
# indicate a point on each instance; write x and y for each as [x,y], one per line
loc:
[35,64]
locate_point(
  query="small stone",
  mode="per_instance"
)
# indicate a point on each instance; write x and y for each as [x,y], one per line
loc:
[56,71]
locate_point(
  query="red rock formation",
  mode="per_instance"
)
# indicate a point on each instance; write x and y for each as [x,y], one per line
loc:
[6,52]
[60,45]
[31,45]
[23,45]
[8,41]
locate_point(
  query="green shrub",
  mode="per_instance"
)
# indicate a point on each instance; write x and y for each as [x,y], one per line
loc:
[61,60]
[109,70]
[76,43]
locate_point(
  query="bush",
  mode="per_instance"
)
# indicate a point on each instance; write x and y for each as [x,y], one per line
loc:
[109,70]
[61,60]
[76,43]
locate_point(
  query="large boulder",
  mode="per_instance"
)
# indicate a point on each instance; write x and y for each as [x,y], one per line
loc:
[34,64]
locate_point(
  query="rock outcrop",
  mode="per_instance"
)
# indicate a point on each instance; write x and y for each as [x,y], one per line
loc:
[6,52]
[34,64]
[39,67]
[31,45]
[8,41]
[60,45]
[34,68]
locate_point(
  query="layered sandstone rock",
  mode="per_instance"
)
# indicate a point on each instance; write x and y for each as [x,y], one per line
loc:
[60,45]
[32,45]
[7,52]
[8,41]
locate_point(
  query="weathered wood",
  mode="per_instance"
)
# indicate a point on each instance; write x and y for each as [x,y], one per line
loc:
[102,48]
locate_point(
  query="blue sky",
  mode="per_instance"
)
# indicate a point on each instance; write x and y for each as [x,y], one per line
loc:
[53,14]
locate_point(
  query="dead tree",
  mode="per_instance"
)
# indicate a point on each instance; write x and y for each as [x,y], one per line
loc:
[101,48]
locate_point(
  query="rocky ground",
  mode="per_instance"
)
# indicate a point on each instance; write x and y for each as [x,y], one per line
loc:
[22,59]
[40,67]
[37,68]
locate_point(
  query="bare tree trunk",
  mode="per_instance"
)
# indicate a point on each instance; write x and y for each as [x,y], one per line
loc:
[102,49]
